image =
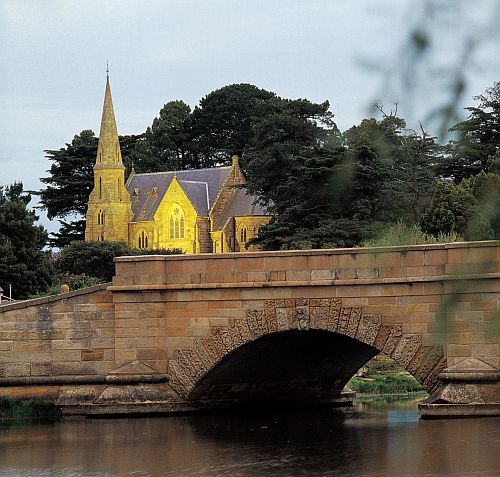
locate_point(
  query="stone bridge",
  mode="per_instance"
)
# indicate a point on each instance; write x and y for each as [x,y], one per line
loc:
[176,333]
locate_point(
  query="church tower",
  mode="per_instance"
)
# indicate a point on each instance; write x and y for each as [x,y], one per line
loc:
[109,208]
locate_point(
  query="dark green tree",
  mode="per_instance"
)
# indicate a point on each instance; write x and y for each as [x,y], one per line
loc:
[451,210]
[478,139]
[93,259]
[23,263]
[222,124]
[96,259]
[165,145]
[69,185]
[485,222]
[392,170]
[327,189]
[288,162]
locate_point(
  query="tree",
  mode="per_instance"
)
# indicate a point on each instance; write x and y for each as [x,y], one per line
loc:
[93,259]
[69,186]
[392,170]
[288,163]
[222,125]
[485,222]
[450,211]
[478,139]
[327,189]
[70,182]
[164,146]
[23,263]
[96,259]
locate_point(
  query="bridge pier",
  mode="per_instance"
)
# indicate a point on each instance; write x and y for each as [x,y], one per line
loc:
[469,388]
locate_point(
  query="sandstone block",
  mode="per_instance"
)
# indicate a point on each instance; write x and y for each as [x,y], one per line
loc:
[92,355]
[15,370]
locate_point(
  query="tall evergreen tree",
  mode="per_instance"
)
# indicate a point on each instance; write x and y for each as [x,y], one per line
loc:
[288,162]
[478,139]
[222,125]
[165,146]
[23,263]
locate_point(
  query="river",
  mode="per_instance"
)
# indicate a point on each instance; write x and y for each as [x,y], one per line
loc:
[375,439]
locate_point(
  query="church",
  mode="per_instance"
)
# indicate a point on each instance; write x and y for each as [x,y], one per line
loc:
[196,211]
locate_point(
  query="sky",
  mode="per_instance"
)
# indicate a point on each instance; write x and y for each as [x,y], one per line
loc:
[53,56]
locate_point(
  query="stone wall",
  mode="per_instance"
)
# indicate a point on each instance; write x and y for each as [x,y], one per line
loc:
[59,337]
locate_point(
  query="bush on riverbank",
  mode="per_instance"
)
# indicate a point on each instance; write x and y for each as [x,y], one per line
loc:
[28,409]
[382,375]
[384,384]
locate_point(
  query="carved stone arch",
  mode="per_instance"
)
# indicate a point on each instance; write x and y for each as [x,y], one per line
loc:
[190,365]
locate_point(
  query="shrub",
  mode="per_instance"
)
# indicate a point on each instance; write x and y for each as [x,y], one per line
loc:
[96,259]
[403,234]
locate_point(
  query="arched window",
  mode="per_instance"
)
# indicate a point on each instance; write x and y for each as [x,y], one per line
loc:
[100,187]
[100,217]
[176,224]
[243,234]
[171,227]
[143,240]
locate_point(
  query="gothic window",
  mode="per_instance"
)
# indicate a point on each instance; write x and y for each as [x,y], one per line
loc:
[100,187]
[171,226]
[143,240]
[243,234]
[176,224]
[100,217]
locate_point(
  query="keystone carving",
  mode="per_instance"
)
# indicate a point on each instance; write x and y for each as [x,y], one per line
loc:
[189,365]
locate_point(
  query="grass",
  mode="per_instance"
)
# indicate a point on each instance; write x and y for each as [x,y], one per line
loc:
[384,384]
[383,375]
[11,408]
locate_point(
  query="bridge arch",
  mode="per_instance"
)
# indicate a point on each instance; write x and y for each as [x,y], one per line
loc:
[325,318]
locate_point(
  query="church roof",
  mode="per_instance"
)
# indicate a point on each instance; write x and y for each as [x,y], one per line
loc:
[200,185]
[240,204]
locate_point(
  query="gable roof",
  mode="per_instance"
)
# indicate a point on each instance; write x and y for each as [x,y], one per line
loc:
[201,186]
[240,204]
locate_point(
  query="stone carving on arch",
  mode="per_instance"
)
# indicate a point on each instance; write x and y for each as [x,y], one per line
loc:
[189,365]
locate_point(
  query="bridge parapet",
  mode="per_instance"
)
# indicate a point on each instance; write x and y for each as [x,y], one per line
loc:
[423,263]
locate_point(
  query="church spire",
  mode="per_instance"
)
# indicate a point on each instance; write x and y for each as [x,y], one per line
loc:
[109,208]
[108,150]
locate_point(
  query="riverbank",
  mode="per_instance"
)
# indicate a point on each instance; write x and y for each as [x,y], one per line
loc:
[383,375]
[15,409]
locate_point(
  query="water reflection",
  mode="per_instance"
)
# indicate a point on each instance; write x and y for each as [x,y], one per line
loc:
[376,439]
